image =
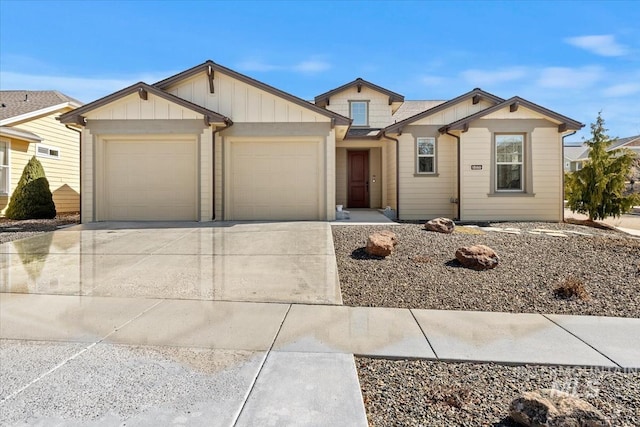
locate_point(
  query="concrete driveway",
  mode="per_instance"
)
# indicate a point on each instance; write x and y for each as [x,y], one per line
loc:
[169,324]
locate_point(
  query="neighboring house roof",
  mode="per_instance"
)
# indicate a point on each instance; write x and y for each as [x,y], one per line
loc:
[477,92]
[20,105]
[411,108]
[323,99]
[575,152]
[141,88]
[23,135]
[581,152]
[210,66]
[565,122]
[628,141]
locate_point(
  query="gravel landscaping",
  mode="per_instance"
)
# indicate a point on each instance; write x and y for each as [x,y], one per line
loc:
[433,393]
[423,273]
[13,230]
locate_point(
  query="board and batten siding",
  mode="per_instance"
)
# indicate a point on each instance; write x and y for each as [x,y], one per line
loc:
[62,173]
[132,107]
[545,202]
[379,109]
[241,101]
[456,112]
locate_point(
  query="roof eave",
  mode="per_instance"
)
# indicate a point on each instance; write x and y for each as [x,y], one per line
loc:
[36,113]
[20,134]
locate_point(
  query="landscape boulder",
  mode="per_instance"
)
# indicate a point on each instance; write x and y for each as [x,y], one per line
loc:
[477,257]
[381,243]
[554,408]
[440,225]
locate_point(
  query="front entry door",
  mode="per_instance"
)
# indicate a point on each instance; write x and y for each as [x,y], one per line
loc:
[358,183]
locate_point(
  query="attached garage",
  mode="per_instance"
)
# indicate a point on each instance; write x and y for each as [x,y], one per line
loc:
[150,180]
[275,180]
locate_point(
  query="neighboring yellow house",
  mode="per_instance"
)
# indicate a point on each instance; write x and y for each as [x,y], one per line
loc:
[28,127]
[213,144]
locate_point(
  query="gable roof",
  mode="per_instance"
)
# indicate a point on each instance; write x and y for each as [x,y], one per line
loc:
[322,99]
[575,152]
[23,135]
[621,142]
[411,108]
[18,105]
[565,122]
[210,65]
[140,87]
[443,106]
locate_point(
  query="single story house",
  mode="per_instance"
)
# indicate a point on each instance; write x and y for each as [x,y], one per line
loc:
[210,143]
[28,127]
[575,156]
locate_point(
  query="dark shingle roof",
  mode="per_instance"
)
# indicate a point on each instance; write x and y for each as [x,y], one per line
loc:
[17,102]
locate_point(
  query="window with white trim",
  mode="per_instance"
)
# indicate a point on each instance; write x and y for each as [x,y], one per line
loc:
[358,112]
[426,155]
[4,167]
[47,151]
[509,162]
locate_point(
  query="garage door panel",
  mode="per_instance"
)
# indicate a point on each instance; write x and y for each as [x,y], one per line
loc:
[150,180]
[275,180]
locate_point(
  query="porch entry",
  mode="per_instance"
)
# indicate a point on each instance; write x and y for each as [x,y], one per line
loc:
[358,179]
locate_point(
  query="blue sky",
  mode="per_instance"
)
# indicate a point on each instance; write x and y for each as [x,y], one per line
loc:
[576,58]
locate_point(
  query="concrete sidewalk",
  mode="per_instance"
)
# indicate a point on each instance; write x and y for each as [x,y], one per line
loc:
[151,361]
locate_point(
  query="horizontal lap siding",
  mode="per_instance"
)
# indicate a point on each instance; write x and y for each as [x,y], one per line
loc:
[546,163]
[426,197]
[241,101]
[63,174]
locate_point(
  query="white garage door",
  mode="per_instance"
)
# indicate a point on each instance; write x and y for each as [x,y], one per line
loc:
[150,180]
[275,181]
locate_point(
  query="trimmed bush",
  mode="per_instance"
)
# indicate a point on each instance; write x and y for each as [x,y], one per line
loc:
[32,198]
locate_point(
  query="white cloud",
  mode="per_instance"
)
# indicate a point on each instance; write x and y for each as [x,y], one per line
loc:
[311,66]
[569,78]
[604,45]
[622,89]
[489,77]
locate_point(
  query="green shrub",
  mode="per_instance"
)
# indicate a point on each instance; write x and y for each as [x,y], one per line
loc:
[32,198]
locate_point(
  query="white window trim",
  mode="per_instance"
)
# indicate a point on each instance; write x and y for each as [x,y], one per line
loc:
[522,164]
[418,155]
[366,111]
[49,148]
[7,171]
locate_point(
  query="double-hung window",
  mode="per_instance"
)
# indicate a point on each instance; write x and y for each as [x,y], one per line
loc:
[358,112]
[4,167]
[426,155]
[509,162]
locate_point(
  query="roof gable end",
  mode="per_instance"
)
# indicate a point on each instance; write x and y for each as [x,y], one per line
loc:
[142,89]
[211,67]
[322,100]
[23,105]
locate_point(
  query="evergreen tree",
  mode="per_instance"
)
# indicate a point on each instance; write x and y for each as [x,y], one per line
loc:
[598,188]
[32,197]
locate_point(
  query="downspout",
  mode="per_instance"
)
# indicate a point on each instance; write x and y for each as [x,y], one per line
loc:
[384,135]
[228,123]
[459,171]
[569,134]
[79,163]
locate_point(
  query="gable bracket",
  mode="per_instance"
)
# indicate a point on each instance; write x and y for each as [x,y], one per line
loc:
[399,131]
[359,86]
[465,128]
[562,127]
[142,92]
[210,75]
[475,99]
[390,101]
[333,122]
[80,120]
[327,100]
[514,107]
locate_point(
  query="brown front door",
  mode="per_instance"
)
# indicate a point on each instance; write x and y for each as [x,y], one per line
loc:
[358,183]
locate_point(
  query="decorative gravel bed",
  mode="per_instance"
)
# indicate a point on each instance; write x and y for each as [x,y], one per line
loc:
[423,273]
[13,230]
[433,393]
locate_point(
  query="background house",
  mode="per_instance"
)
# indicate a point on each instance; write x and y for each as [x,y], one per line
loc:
[28,128]
[576,155]
[211,143]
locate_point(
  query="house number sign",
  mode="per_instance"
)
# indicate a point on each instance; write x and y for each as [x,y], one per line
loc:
[476,167]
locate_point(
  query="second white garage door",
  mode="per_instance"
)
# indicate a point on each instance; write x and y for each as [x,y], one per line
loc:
[150,180]
[274,181]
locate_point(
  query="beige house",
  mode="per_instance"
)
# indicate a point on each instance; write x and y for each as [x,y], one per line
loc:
[28,127]
[212,144]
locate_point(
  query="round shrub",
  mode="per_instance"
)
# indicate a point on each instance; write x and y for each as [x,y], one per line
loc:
[32,198]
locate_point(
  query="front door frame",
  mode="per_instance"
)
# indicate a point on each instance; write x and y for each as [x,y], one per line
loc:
[351,203]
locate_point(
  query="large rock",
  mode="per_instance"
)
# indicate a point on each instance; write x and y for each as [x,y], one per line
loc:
[554,408]
[440,225]
[477,257]
[381,243]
